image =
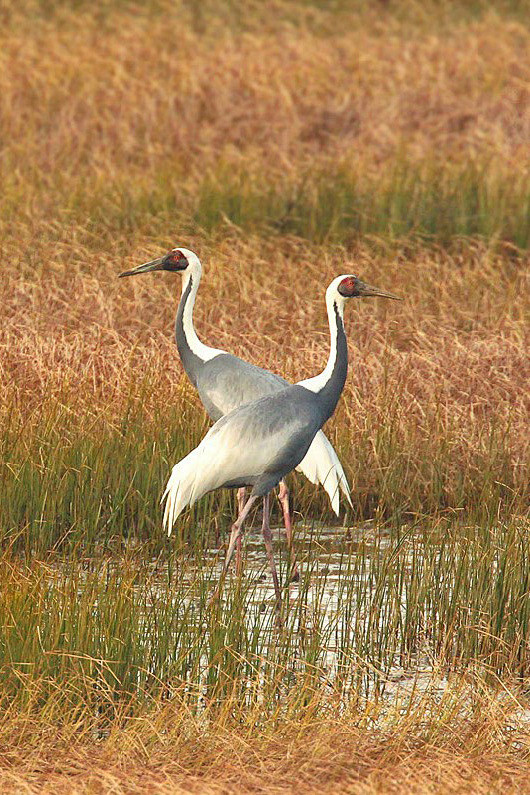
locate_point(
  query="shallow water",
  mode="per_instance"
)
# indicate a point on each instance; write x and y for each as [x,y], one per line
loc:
[356,625]
[324,556]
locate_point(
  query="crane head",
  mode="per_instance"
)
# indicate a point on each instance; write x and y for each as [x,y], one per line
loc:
[178,259]
[353,287]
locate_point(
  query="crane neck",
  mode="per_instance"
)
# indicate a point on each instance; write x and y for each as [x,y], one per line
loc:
[192,351]
[329,384]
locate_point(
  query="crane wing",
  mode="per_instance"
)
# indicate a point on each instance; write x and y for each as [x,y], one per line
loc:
[270,436]
[227,382]
[321,464]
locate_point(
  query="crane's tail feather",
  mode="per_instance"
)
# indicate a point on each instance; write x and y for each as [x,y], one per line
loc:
[321,465]
[181,489]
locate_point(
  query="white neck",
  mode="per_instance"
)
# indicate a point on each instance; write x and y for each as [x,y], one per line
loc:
[333,300]
[193,273]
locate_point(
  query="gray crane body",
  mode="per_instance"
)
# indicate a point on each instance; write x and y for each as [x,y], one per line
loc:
[287,419]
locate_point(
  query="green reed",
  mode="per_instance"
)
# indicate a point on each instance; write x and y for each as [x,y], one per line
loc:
[427,201]
[69,477]
[430,201]
[97,600]
[205,16]
[109,628]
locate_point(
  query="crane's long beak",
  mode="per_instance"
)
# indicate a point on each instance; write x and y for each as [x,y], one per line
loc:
[366,290]
[153,265]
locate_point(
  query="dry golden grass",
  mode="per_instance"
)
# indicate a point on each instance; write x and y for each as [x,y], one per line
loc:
[342,761]
[166,750]
[109,124]
[440,380]
[144,91]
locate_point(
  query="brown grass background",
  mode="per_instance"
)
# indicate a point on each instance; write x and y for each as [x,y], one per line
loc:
[102,111]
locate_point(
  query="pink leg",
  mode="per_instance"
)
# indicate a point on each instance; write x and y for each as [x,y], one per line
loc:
[283,496]
[241,499]
[267,537]
[237,530]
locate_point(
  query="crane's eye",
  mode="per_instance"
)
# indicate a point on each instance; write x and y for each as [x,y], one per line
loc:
[348,287]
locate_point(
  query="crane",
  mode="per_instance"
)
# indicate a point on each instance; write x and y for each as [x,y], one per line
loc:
[259,443]
[225,382]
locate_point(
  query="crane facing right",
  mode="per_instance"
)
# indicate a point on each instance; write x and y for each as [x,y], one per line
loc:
[258,444]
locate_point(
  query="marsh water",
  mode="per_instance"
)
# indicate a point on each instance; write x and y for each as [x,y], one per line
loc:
[343,619]
[381,613]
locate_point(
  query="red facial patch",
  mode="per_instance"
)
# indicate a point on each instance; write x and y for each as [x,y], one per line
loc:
[348,287]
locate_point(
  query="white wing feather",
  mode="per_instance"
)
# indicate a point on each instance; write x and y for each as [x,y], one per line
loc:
[213,463]
[321,465]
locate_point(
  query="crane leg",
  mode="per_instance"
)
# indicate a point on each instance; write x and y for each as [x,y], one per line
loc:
[283,496]
[237,531]
[267,537]
[241,499]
